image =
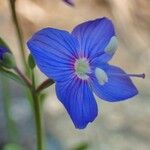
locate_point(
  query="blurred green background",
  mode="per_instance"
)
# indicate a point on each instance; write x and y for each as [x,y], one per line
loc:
[119,126]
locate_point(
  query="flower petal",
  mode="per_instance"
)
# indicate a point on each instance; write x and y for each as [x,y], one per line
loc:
[94,36]
[78,100]
[117,87]
[54,52]
[70,2]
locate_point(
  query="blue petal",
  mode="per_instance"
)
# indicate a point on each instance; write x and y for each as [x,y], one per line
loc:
[94,36]
[54,52]
[78,100]
[118,87]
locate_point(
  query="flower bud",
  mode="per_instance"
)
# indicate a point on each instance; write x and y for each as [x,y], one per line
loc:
[6,58]
[2,51]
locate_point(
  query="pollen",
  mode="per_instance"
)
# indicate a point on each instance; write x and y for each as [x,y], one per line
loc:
[112,46]
[82,68]
[101,76]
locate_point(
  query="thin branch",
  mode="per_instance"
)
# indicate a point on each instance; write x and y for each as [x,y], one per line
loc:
[27,81]
[18,31]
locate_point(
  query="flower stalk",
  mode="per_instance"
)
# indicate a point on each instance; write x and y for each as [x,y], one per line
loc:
[38,120]
[38,114]
[19,32]
[36,105]
[24,78]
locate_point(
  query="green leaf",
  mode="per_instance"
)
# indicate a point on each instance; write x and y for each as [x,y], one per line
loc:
[11,75]
[31,62]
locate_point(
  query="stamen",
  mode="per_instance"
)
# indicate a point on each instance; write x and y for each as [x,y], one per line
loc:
[112,46]
[137,75]
[131,75]
[101,76]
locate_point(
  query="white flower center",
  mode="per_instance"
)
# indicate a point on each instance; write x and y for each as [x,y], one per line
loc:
[82,68]
[101,76]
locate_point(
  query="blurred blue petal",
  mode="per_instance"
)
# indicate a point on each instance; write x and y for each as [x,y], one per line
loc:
[93,37]
[54,52]
[118,87]
[70,2]
[78,100]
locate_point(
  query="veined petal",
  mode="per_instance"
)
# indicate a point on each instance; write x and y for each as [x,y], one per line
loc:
[54,52]
[117,87]
[94,36]
[78,100]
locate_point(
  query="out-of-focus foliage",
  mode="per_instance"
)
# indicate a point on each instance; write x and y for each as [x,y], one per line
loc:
[82,146]
[12,146]
[11,75]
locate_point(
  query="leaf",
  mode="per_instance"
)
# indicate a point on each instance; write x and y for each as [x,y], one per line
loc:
[31,62]
[11,75]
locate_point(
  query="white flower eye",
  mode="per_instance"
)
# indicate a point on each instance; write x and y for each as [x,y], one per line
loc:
[101,76]
[112,46]
[82,68]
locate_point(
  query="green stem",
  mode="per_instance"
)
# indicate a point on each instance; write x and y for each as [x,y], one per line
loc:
[36,106]
[19,33]
[38,115]
[26,80]
[38,120]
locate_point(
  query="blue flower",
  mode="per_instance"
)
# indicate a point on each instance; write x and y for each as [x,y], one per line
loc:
[3,50]
[70,2]
[78,62]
